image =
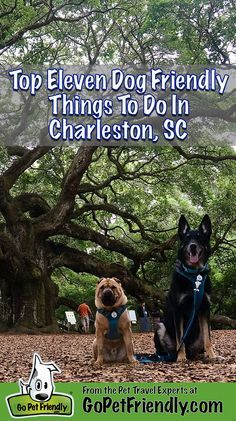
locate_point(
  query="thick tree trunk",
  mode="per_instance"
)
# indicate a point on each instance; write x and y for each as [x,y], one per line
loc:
[5,306]
[28,296]
[34,306]
[28,306]
[27,300]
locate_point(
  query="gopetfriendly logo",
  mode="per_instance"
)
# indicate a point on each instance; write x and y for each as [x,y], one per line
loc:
[37,397]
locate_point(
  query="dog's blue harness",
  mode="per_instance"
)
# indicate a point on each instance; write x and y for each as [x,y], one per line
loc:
[113,318]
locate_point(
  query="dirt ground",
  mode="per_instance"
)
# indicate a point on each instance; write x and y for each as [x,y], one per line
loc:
[73,354]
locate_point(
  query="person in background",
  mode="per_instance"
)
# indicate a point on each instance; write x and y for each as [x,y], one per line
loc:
[156,316]
[84,313]
[143,314]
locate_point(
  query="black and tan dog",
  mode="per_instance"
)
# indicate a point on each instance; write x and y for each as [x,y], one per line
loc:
[113,328]
[190,277]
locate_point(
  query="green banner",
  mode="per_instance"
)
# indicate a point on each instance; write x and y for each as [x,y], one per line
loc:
[131,401]
[24,406]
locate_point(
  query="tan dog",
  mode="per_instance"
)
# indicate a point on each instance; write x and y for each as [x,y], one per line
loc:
[113,328]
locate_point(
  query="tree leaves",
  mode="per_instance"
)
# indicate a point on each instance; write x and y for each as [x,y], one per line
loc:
[73,355]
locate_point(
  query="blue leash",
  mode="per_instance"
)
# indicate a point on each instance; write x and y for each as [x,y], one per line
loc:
[191,320]
[198,283]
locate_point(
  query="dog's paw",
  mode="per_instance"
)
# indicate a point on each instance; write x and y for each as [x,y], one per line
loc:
[210,354]
[181,358]
[98,363]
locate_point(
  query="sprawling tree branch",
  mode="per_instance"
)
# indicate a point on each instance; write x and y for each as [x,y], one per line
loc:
[16,150]
[32,203]
[116,211]
[55,14]
[21,164]
[78,261]
[88,234]
[64,208]
[206,157]
[222,239]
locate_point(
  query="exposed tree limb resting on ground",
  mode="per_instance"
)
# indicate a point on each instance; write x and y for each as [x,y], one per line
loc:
[223,320]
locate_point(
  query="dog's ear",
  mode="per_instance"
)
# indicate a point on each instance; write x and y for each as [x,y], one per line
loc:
[183,226]
[205,226]
[100,280]
[117,280]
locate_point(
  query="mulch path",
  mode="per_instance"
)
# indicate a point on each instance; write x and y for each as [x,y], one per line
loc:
[73,355]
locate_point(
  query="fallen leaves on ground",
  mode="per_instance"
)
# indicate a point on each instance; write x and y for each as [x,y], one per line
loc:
[73,355]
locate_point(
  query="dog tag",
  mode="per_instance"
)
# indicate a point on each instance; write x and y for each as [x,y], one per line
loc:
[114,314]
[199,278]
[197,283]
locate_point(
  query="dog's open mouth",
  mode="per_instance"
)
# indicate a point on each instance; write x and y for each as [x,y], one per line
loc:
[194,258]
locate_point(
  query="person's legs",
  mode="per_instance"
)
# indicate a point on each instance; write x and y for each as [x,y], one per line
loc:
[141,324]
[83,322]
[144,324]
[87,324]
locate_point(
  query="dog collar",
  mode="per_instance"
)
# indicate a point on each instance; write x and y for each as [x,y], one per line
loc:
[113,317]
[197,276]
[185,270]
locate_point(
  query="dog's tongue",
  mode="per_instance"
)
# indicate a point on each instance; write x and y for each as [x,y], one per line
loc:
[194,258]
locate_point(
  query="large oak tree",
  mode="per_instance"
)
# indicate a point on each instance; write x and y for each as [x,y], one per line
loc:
[103,211]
